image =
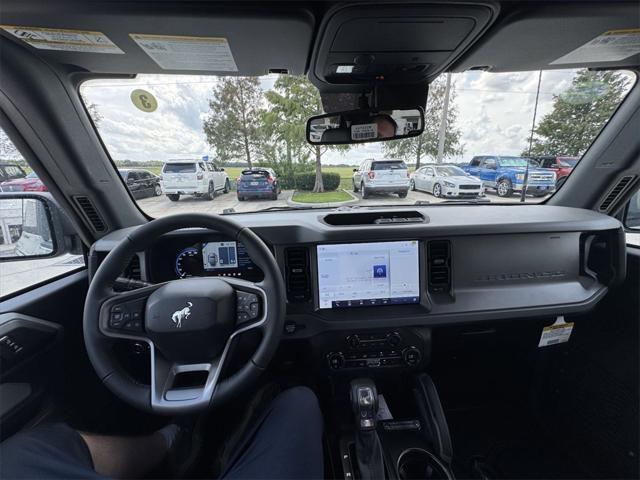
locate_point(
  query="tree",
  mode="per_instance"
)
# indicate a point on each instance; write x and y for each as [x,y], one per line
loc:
[426,144]
[8,151]
[292,101]
[578,114]
[233,124]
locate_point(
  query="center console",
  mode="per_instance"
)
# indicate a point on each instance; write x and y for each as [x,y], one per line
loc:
[417,446]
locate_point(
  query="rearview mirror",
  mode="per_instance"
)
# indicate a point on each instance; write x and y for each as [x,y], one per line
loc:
[366,125]
[33,226]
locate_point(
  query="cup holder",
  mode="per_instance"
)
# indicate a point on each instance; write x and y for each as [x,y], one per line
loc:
[418,464]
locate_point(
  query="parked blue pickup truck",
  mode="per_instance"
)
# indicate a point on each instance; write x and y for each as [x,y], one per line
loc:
[506,175]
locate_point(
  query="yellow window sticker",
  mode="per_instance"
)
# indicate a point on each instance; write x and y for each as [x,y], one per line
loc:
[144,100]
[66,40]
[172,52]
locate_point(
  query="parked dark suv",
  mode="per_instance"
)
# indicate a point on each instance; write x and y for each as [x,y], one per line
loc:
[141,183]
[258,183]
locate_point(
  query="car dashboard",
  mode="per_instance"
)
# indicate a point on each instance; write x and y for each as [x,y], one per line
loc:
[379,278]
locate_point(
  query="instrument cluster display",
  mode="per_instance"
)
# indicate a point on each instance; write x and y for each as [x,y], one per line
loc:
[218,257]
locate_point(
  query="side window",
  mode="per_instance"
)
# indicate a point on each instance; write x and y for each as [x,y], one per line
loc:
[632,220]
[475,161]
[429,171]
[202,167]
[210,167]
[133,177]
[25,231]
[489,162]
[145,175]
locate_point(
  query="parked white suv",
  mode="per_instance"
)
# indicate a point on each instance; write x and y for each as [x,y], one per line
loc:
[381,176]
[190,177]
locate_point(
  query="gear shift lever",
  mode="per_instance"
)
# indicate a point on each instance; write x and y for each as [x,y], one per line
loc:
[364,402]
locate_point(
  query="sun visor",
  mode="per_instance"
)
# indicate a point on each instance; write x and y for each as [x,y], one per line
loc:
[557,35]
[361,45]
[204,38]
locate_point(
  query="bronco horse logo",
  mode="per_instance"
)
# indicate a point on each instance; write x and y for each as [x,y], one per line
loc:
[180,315]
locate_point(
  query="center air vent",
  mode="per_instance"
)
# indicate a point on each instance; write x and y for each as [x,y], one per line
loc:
[297,274]
[91,215]
[439,266]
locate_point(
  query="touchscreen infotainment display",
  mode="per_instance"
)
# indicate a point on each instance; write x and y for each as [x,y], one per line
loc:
[364,274]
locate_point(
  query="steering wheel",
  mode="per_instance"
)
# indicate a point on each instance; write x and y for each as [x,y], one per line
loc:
[189,324]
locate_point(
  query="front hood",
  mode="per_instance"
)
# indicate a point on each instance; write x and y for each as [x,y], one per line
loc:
[462,180]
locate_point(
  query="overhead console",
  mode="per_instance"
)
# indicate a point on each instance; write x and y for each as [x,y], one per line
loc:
[386,44]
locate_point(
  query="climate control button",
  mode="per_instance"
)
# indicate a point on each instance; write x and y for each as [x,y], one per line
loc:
[335,360]
[411,356]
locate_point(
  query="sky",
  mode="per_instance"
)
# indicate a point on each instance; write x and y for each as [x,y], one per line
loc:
[495,113]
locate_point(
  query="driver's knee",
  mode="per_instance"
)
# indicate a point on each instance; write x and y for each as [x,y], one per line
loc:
[299,404]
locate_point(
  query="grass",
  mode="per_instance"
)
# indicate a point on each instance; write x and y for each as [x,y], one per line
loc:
[325,197]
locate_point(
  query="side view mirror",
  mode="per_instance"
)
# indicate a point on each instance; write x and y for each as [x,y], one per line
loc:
[365,125]
[355,170]
[222,169]
[34,226]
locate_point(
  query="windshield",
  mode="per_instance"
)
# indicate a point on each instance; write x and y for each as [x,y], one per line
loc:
[198,134]
[449,171]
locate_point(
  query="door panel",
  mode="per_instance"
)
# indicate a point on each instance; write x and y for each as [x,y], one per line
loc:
[40,348]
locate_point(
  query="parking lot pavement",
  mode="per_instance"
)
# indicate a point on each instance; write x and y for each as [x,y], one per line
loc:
[162,206]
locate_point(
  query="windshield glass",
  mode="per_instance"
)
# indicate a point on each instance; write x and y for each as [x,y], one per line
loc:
[449,171]
[199,133]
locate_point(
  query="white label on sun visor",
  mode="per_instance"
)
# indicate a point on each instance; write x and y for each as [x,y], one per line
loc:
[611,46]
[188,53]
[67,40]
[365,131]
[559,332]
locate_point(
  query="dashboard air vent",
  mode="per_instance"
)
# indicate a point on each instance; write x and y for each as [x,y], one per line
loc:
[616,192]
[297,274]
[133,269]
[90,213]
[439,266]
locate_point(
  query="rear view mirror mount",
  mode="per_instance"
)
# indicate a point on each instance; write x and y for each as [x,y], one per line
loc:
[365,125]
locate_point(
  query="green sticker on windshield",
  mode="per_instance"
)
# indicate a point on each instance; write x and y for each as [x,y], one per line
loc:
[144,100]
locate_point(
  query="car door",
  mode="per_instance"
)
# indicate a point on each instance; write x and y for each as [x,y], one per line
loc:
[429,179]
[146,184]
[417,178]
[489,171]
[218,175]
[474,166]
[357,177]
[135,185]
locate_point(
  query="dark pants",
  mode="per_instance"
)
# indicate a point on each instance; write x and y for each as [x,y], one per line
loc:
[285,444]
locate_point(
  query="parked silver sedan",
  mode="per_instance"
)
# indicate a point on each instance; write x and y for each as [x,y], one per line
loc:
[446,181]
